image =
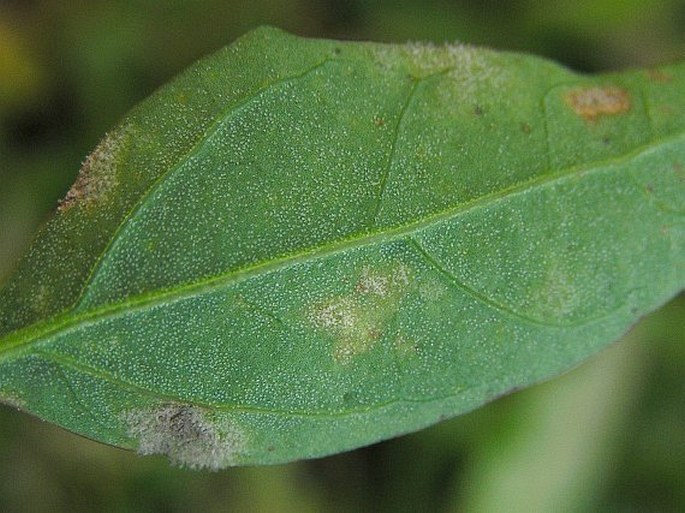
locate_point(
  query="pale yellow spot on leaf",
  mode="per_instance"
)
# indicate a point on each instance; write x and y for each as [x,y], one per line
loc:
[357,320]
[592,102]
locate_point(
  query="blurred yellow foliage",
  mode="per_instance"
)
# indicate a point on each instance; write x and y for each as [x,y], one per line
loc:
[21,76]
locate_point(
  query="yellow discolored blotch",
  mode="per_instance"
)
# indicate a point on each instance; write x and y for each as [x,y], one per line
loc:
[557,293]
[357,320]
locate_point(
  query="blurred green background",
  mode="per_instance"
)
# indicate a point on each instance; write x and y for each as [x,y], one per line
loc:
[606,437]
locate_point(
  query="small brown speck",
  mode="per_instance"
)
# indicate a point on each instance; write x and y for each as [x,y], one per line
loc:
[659,76]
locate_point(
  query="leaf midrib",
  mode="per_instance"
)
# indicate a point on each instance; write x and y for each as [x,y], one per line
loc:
[19,340]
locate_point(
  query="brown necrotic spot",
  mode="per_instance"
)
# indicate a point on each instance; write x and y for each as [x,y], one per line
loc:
[189,435]
[592,102]
[98,174]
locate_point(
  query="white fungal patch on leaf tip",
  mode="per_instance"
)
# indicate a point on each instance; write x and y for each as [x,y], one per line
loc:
[187,434]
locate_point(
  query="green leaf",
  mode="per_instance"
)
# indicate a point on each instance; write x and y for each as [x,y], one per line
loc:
[300,247]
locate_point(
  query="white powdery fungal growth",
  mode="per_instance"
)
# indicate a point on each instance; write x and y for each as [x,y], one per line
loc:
[429,58]
[468,68]
[186,435]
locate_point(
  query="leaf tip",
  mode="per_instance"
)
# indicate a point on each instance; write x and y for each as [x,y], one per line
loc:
[188,435]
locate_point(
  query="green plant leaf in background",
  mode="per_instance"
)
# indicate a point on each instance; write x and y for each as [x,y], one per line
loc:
[299,247]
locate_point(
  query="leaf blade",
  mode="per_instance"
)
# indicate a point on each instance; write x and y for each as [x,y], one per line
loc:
[384,288]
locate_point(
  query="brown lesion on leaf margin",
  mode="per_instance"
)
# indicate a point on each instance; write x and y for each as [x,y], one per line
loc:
[592,102]
[98,174]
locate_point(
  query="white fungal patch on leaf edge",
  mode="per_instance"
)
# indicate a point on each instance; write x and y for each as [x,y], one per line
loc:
[187,434]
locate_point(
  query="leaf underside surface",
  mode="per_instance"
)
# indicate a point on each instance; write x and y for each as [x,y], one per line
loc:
[299,247]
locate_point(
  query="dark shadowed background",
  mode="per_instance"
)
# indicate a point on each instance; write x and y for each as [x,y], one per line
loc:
[607,437]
